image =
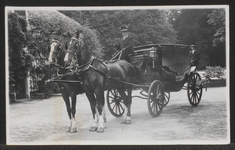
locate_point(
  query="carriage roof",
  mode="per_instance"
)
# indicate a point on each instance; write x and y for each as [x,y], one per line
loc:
[162,46]
[174,56]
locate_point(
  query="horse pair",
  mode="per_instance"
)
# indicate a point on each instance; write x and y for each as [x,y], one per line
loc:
[95,77]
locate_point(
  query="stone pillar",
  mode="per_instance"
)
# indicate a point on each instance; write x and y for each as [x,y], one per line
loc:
[27,86]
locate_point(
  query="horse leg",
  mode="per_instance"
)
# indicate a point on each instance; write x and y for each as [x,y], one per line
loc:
[104,114]
[129,101]
[65,96]
[100,101]
[73,128]
[124,97]
[92,101]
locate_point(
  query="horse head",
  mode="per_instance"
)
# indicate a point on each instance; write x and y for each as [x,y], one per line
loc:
[73,49]
[55,50]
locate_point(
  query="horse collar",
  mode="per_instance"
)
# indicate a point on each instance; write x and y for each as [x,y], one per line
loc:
[85,66]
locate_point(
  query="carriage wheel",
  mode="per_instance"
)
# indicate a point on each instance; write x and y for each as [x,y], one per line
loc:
[115,103]
[167,98]
[155,98]
[194,90]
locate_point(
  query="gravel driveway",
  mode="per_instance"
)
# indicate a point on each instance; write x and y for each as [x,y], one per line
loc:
[45,122]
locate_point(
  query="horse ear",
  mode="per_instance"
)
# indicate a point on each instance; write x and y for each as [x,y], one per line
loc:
[66,46]
[77,33]
[69,35]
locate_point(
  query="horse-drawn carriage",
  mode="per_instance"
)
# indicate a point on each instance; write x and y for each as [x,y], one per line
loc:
[165,68]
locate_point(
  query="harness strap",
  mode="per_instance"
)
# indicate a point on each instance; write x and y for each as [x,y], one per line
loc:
[58,65]
[118,80]
[101,72]
[85,66]
[70,51]
[115,55]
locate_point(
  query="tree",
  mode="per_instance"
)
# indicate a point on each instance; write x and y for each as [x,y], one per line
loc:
[217,20]
[19,60]
[147,26]
[192,27]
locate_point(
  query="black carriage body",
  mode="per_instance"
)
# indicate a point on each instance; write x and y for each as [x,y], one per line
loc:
[165,68]
[165,62]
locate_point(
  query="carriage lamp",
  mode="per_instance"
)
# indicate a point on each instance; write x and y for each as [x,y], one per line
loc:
[153,55]
[153,52]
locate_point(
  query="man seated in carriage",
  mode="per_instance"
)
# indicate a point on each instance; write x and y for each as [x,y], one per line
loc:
[194,57]
[126,45]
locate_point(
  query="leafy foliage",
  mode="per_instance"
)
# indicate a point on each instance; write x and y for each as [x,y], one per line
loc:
[192,27]
[147,26]
[19,60]
[214,72]
[44,26]
[52,24]
[101,29]
[217,19]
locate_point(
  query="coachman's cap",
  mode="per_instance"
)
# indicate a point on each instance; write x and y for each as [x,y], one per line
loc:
[193,45]
[124,29]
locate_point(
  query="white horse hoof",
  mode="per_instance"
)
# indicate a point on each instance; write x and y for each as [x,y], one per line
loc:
[100,130]
[128,121]
[123,122]
[73,130]
[93,129]
[68,130]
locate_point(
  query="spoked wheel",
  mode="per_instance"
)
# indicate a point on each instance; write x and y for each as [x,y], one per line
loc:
[167,98]
[115,103]
[155,98]
[194,89]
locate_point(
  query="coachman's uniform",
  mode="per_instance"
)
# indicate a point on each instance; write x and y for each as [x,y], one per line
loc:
[126,44]
[194,57]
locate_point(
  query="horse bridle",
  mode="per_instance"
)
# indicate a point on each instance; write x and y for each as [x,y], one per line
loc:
[59,52]
[79,42]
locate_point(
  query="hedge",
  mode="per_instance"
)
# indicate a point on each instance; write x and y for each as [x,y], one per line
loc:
[51,23]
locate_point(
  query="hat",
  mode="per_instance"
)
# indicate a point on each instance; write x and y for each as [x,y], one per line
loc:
[193,45]
[124,29]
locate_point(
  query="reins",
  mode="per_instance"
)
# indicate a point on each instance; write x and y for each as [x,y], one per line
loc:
[89,65]
[86,66]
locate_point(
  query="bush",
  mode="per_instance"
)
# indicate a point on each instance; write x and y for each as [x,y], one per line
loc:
[46,25]
[214,72]
[52,24]
[19,60]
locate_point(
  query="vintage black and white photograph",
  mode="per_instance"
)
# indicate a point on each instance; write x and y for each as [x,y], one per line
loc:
[136,75]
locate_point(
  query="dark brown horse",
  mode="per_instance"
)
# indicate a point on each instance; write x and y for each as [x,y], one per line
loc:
[68,90]
[95,79]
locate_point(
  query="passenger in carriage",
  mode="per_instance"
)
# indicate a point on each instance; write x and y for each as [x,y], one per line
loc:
[126,45]
[194,57]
